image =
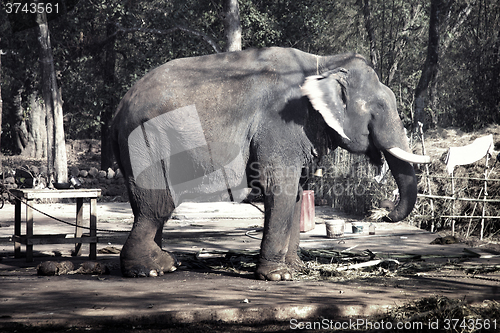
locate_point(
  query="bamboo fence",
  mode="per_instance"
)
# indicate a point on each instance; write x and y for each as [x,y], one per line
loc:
[482,198]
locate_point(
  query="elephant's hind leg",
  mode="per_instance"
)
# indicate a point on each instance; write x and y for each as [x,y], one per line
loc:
[142,254]
[142,258]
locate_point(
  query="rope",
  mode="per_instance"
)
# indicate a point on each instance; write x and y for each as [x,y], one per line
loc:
[249,232]
[3,189]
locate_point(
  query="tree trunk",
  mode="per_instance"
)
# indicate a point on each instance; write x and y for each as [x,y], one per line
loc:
[110,103]
[33,130]
[20,132]
[60,158]
[56,145]
[232,25]
[365,5]
[1,114]
[38,132]
[439,10]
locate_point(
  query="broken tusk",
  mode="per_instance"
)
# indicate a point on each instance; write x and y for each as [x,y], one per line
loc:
[409,157]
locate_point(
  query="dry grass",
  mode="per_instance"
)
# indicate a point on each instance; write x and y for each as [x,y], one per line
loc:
[426,313]
[377,214]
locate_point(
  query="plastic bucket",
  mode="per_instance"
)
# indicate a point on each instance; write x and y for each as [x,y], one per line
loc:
[335,228]
[357,228]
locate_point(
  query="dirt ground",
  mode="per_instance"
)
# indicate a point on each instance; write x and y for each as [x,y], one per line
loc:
[214,289]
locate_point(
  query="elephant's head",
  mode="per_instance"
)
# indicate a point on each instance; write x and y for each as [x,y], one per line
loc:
[363,114]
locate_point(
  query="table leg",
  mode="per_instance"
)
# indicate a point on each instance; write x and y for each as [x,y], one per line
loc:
[93,227]
[17,229]
[29,231]
[79,223]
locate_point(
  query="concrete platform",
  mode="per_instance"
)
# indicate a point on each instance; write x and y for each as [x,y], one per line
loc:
[190,296]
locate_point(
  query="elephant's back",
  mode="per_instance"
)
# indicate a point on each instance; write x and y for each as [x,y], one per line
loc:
[223,87]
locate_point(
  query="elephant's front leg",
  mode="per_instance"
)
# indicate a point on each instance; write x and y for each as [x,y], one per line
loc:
[280,204]
[292,258]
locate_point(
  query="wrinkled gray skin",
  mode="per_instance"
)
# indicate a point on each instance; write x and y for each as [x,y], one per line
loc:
[252,101]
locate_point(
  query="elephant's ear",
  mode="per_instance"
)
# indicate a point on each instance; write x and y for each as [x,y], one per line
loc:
[325,94]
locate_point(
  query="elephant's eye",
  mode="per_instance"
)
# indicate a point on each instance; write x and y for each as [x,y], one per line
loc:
[380,105]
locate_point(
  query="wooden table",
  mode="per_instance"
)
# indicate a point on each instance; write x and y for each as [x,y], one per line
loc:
[29,239]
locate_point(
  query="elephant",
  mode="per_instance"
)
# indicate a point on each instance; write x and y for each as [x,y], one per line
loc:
[208,128]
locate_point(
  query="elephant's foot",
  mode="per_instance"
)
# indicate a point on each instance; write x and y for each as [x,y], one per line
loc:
[273,271]
[294,263]
[143,261]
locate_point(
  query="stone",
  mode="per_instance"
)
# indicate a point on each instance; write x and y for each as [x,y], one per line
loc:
[101,174]
[35,171]
[43,170]
[74,171]
[10,180]
[111,173]
[93,172]
[83,173]
[11,186]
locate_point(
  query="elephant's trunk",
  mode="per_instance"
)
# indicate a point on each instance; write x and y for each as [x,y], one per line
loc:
[404,174]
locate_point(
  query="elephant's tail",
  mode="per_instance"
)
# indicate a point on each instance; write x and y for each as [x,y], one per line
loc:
[115,141]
